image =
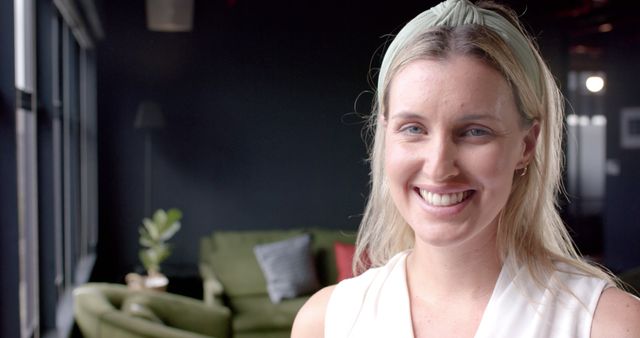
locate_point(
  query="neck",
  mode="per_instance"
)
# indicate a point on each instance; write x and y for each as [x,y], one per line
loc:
[460,272]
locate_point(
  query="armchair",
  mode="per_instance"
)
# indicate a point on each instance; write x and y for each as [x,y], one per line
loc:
[98,313]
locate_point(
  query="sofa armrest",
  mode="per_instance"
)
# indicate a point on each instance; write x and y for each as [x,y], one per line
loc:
[97,314]
[190,314]
[212,287]
[118,324]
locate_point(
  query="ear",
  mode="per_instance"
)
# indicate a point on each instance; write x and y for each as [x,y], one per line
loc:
[529,145]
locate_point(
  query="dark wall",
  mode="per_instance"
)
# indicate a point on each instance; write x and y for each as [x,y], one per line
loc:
[260,134]
[622,214]
[9,321]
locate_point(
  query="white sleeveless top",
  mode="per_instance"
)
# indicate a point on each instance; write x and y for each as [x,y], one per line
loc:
[376,304]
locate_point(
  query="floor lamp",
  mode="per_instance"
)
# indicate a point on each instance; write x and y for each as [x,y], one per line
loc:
[148,117]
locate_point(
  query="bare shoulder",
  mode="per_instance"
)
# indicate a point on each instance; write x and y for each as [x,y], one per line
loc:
[309,321]
[617,315]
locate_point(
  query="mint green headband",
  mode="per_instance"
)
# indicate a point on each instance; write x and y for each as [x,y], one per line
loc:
[454,13]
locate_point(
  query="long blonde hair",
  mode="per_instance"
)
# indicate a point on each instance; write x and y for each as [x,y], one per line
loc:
[530,228]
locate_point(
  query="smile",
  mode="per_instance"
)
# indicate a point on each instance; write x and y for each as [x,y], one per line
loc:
[444,200]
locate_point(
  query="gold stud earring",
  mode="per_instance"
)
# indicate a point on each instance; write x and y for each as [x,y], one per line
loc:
[524,171]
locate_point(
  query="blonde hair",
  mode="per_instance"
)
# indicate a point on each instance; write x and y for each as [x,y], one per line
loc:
[530,229]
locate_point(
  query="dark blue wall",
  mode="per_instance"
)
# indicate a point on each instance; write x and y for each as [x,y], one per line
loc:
[622,214]
[9,321]
[259,135]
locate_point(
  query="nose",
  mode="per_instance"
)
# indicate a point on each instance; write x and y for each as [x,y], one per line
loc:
[441,161]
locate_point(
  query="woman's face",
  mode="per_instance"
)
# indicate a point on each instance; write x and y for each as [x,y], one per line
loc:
[453,143]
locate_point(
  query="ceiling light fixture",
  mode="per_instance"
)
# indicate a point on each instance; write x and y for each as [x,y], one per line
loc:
[170,15]
[605,28]
[594,83]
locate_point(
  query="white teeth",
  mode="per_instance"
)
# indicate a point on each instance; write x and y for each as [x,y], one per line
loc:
[446,199]
[442,200]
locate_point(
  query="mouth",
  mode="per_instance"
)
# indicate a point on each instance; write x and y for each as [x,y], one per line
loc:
[444,200]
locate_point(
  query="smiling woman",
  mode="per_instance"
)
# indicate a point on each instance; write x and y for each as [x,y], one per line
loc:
[461,229]
[450,169]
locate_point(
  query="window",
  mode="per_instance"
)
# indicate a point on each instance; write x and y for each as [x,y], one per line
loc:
[74,141]
[26,151]
[586,143]
[64,126]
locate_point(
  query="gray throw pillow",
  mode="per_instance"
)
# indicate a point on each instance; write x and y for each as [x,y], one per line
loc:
[288,267]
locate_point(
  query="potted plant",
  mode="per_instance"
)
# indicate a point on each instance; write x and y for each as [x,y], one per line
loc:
[154,234]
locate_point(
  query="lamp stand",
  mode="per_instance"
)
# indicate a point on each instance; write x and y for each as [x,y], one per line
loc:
[147,172]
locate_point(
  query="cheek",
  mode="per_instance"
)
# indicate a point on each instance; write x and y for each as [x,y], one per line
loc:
[400,162]
[493,166]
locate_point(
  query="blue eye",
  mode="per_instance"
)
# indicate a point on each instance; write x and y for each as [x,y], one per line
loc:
[412,129]
[476,132]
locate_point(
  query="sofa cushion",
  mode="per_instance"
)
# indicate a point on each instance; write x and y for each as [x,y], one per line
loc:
[288,267]
[258,313]
[344,259]
[322,243]
[235,263]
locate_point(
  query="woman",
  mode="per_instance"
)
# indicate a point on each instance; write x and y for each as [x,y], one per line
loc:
[461,227]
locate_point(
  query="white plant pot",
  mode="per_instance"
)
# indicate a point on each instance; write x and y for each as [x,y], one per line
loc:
[157,282]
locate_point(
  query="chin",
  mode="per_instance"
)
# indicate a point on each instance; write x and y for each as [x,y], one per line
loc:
[441,235]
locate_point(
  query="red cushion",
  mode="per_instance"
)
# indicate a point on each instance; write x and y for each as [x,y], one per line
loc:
[344,259]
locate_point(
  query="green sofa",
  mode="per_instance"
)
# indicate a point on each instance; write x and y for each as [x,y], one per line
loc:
[232,277]
[98,310]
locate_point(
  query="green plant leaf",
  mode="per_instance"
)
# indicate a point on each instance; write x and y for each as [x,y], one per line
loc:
[160,217]
[174,215]
[144,232]
[153,235]
[147,257]
[160,253]
[152,229]
[169,232]
[146,242]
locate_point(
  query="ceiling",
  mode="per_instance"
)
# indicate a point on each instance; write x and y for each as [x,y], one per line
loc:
[590,28]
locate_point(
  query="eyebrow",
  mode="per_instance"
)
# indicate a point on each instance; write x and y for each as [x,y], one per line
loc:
[406,116]
[469,117]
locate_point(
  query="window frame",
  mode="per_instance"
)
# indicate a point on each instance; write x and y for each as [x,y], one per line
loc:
[27,166]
